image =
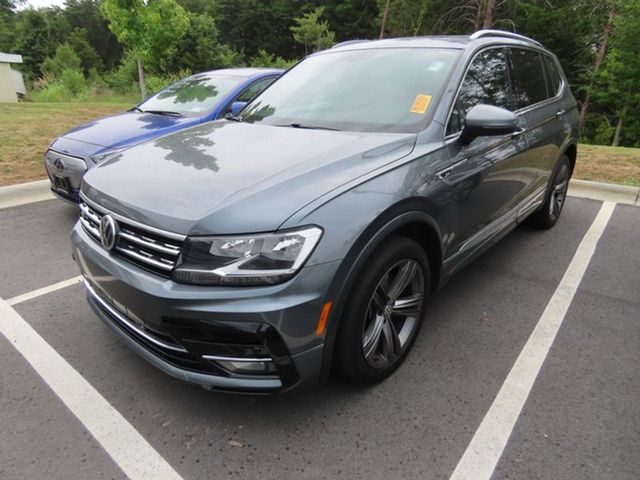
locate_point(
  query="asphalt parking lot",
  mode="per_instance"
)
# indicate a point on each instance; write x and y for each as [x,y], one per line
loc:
[580,419]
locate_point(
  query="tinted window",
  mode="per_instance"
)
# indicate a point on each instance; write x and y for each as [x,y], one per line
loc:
[486,82]
[373,90]
[553,77]
[192,96]
[253,91]
[528,78]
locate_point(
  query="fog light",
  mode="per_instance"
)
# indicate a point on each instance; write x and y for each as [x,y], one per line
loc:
[247,366]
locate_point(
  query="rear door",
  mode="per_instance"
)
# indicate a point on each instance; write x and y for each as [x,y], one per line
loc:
[485,176]
[535,100]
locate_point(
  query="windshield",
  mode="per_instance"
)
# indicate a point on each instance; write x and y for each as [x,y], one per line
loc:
[192,96]
[381,90]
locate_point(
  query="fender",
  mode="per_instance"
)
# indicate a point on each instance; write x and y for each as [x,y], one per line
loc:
[403,213]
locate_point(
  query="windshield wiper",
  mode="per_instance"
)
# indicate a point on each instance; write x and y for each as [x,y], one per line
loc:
[163,112]
[234,118]
[309,127]
[136,109]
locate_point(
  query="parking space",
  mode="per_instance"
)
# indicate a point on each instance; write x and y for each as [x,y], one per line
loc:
[579,420]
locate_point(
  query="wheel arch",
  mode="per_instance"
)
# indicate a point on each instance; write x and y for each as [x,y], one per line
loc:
[410,219]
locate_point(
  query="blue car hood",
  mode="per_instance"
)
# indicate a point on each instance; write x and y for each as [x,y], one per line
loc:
[116,131]
[225,177]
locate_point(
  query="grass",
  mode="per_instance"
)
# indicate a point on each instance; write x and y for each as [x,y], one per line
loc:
[608,164]
[27,128]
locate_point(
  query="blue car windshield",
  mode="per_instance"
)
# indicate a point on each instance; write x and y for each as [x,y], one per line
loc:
[368,90]
[192,96]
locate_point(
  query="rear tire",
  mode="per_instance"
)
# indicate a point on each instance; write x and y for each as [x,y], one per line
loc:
[384,312]
[549,213]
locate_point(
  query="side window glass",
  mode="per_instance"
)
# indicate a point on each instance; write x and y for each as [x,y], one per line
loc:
[486,82]
[528,77]
[253,90]
[554,77]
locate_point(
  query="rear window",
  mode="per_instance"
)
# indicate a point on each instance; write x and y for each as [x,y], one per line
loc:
[529,86]
[553,77]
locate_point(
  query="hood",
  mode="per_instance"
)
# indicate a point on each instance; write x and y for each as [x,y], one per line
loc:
[119,130]
[224,177]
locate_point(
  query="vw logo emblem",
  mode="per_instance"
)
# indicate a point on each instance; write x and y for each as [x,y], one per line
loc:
[108,232]
[59,164]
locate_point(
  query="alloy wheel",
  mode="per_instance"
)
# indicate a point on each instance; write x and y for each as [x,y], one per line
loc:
[393,313]
[559,191]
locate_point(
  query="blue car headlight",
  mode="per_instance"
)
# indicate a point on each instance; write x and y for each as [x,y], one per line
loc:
[260,259]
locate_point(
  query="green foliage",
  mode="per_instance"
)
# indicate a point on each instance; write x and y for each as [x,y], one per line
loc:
[266,59]
[151,29]
[199,50]
[73,81]
[89,58]
[64,59]
[155,83]
[312,32]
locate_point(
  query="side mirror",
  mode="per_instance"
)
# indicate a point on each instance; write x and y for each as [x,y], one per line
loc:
[486,120]
[236,107]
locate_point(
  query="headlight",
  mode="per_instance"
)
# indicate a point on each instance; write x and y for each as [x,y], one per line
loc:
[246,259]
[98,157]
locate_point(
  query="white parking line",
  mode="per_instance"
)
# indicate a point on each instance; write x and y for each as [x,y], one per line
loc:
[483,453]
[44,290]
[130,451]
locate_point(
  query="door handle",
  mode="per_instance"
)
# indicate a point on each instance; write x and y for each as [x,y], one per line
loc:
[559,113]
[517,133]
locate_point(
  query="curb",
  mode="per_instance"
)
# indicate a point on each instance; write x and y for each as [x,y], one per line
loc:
[24,193]
[606,192]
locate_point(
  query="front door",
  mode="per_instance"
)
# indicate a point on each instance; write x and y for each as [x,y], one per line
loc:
[485,176]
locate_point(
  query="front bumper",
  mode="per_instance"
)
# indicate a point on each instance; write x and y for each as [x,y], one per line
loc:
[186,330]
[65,173]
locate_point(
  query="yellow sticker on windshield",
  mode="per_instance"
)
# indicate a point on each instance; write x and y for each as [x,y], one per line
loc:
[421,104]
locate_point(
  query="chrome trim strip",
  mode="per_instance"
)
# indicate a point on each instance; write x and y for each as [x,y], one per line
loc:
[133,223]
[87,226]
[118,316]
[175,251]
[85,210]
[237,359]
[144,259]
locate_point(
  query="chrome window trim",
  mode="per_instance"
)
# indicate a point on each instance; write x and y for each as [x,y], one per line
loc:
[133,223]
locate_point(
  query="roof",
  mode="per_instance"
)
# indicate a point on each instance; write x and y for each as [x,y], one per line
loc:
[441,41]
[10,58]
[246,72]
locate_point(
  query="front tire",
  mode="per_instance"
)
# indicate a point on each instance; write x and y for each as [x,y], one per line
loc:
[551,209]
[384,312]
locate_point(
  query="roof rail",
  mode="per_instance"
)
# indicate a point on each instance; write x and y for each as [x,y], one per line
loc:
[502,33]
[349,42]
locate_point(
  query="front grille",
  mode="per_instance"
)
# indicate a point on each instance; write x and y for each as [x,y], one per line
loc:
[144,246]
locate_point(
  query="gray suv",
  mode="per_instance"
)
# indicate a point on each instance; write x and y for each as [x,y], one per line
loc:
[306,234]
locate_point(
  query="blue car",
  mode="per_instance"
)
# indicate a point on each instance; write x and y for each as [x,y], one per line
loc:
[196,99]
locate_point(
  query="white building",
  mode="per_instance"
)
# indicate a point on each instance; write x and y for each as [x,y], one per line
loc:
[11,81]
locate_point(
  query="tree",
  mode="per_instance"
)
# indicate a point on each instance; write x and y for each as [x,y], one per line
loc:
[150,30]
[64,59]
[615,86]
[85,15]
[200,49]
[312,32]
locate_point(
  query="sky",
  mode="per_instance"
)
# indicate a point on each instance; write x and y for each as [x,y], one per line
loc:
[42,3]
